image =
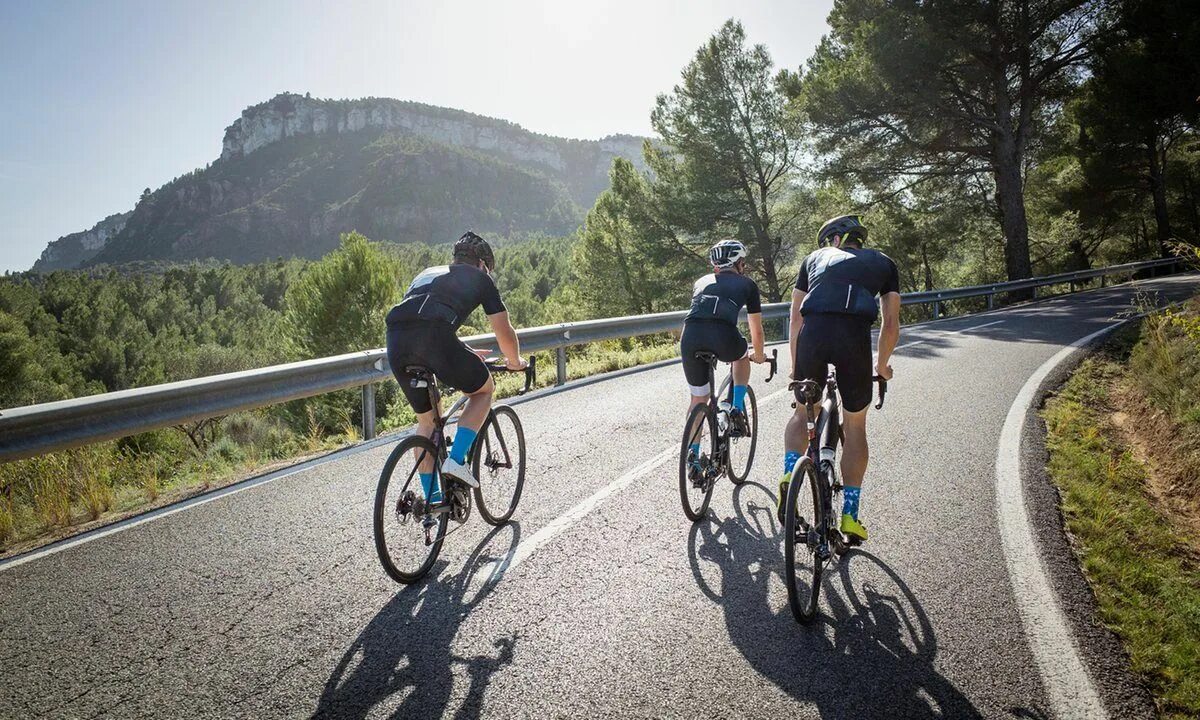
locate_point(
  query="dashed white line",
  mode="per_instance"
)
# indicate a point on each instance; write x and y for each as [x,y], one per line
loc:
[564,522]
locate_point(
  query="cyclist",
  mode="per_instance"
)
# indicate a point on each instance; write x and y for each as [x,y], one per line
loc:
[421,331]
[711,324]
[833,308]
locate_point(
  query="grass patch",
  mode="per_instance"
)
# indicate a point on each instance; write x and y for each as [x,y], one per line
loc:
[1138,560]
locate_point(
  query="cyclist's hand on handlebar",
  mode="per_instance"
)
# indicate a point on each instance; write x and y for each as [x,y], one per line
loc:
[758,357]
[884,371]
[517,363]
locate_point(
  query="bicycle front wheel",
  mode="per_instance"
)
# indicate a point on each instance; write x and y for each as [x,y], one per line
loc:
[698,464]
[499,464]
[805,546]
[740,448]
[408,541]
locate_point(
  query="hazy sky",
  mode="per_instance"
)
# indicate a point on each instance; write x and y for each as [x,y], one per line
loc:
[100,100]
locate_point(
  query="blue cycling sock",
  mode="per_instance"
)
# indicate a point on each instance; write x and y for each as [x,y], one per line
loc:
[789,461]
[739,397]
[463,439]
[850,496]
[432,494]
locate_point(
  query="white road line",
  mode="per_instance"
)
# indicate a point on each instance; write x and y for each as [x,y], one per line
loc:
[1068,685]
[564,522]
[951,332]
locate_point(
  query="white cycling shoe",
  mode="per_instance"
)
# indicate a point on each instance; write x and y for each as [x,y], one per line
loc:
[458,471]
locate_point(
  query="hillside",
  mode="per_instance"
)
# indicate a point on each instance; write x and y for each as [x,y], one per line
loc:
[294,172]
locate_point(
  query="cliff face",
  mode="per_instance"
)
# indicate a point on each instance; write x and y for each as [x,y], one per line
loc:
[294,172]
[71,251]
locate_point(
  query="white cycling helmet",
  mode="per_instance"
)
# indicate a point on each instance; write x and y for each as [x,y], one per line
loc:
[726,253]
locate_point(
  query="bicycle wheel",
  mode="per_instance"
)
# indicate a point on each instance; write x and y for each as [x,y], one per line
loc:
[697,475]
[406,543]
[740,450]
[805,548]
[499,463]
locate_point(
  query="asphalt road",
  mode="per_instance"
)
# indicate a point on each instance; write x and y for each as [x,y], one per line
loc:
[271,603]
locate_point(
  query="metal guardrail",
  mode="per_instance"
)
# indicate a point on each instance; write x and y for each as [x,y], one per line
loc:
[37,429]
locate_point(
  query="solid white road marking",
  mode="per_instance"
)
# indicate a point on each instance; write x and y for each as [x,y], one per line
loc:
[1068,685]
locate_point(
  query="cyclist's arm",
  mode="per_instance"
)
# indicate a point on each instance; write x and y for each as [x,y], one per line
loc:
[889,328]
[754,320]
[795,322]
[506,338]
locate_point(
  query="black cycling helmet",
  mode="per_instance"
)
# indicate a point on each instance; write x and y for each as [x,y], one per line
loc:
[846,226]
[471,248]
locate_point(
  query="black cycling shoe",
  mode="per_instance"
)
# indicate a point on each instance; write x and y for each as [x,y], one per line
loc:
[739,424]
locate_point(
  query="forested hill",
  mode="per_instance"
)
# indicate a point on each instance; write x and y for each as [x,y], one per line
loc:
[295,171]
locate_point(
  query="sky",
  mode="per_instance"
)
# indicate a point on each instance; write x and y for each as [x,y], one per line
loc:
[99,100]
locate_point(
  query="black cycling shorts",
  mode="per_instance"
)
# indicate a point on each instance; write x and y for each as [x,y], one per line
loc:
[843,341]
[433,345]
[715,337]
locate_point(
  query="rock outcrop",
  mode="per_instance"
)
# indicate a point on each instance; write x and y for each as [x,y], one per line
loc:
[72,251]
[295,172]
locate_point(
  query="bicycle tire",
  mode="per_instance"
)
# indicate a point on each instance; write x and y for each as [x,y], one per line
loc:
[406,575]
[491,441]
[796,545]
[701,416]
[752,415]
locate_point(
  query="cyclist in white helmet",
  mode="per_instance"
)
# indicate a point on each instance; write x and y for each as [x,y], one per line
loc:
[711,325]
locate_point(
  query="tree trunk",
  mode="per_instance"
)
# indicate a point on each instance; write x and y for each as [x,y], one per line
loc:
[1158,189]
[1010,199]
[766,250]
[928,272]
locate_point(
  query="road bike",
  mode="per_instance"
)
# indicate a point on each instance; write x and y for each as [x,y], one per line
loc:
[727,439]
[813,539]
[409,528]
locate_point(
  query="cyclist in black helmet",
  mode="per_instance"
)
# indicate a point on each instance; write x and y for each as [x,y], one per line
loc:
[421,331]
[833,308]
[711,324]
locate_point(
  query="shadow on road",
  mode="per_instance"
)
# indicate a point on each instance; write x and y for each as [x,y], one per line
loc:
[402,665]
[869,654]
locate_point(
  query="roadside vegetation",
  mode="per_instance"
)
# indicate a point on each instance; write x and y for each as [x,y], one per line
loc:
[1124,442]
[1098,166]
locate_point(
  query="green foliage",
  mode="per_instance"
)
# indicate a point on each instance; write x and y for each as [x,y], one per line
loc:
[722,169]
[338,304]
[1134,556]
[901,93]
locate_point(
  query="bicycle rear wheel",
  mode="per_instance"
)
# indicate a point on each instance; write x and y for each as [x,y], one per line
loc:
[499,464]
[805,546]
[407,546]
[740,450]
[698,474]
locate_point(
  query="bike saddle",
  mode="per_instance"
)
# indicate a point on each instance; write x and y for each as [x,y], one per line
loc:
[810,389]
[705,356]
[419,372]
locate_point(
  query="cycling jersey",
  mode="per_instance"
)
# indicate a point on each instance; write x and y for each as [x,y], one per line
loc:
[846,281]
[720,297]
[448,293]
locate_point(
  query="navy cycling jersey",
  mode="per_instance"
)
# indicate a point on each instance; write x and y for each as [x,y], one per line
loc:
[846,281]
[720,297]
[448,293]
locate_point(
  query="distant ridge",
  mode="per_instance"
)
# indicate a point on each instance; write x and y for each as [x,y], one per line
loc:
[296,171]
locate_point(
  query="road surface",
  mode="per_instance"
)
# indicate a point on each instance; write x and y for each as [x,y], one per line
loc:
[600,599]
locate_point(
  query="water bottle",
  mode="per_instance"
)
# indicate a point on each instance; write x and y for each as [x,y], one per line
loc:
[723,409]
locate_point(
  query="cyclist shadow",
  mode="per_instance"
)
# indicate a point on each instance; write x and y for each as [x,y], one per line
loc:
[402,664]
[869,654]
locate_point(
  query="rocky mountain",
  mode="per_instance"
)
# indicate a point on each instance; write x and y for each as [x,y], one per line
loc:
[73,250]
[295,171]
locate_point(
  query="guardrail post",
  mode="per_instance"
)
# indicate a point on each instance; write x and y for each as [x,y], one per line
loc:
[560,356]
[1035,289]
[787,327]
[1103,280]
[937,309]
[991,300]
[368,411]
